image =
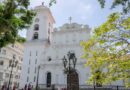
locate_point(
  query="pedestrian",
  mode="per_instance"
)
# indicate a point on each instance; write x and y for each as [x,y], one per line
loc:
[3,87]
[32,87]
[14,87]
[29,87]
[25,87]
[53,87]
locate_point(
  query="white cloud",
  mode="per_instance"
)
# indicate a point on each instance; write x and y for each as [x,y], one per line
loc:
[80,10]
[84,7]
[84,10]
[83,17]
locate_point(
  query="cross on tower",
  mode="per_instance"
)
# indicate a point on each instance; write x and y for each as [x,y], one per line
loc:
[70,19]
[43,3]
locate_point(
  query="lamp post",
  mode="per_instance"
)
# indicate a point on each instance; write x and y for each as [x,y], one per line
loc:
[37,78]
[12,64]
[71,62]
[69,68]
[4,80]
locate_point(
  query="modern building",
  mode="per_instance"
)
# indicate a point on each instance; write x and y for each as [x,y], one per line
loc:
[11,55]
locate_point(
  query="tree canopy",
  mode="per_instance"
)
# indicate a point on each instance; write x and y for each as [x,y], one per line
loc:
[14,16]
[124,4]
[107,51]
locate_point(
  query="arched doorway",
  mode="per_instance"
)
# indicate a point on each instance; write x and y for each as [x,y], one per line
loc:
[36,27]
[48,79]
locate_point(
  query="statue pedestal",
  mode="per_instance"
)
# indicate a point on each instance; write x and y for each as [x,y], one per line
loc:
[72,80]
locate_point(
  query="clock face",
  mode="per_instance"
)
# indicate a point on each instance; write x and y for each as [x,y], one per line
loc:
[37,20]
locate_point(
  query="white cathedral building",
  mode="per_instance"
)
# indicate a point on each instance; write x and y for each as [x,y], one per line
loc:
[46,47]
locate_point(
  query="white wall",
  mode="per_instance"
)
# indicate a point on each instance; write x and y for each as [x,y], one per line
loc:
[10,51]
[34,46]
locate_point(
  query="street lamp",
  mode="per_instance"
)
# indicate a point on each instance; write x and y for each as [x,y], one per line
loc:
[71,62]
[71,57]
[37,78]
[12,64]
[69,68]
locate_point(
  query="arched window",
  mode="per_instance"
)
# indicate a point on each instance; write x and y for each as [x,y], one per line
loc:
[48,79]
[1,62]
[49,24]
[36,27]
[37,20]
[49,31]
[35,36]
[49,40]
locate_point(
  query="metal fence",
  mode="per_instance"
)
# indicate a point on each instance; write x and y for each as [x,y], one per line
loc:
[85,87]
[105,87]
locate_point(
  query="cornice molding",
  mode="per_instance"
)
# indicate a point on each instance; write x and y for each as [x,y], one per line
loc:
[70,31]
[74,27]
[69,45]
[37,42]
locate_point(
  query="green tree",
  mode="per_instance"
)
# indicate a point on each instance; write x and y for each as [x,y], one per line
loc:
[21,39]
[117,3]
[125,4]
[14,16]
[52,2]
[107,51]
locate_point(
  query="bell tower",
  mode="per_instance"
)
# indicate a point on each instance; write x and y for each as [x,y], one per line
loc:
[42,24]
[38,36]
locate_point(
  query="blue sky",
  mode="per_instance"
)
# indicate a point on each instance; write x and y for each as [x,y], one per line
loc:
[82,12]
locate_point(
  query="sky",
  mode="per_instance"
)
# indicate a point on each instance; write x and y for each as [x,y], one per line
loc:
[82,11]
